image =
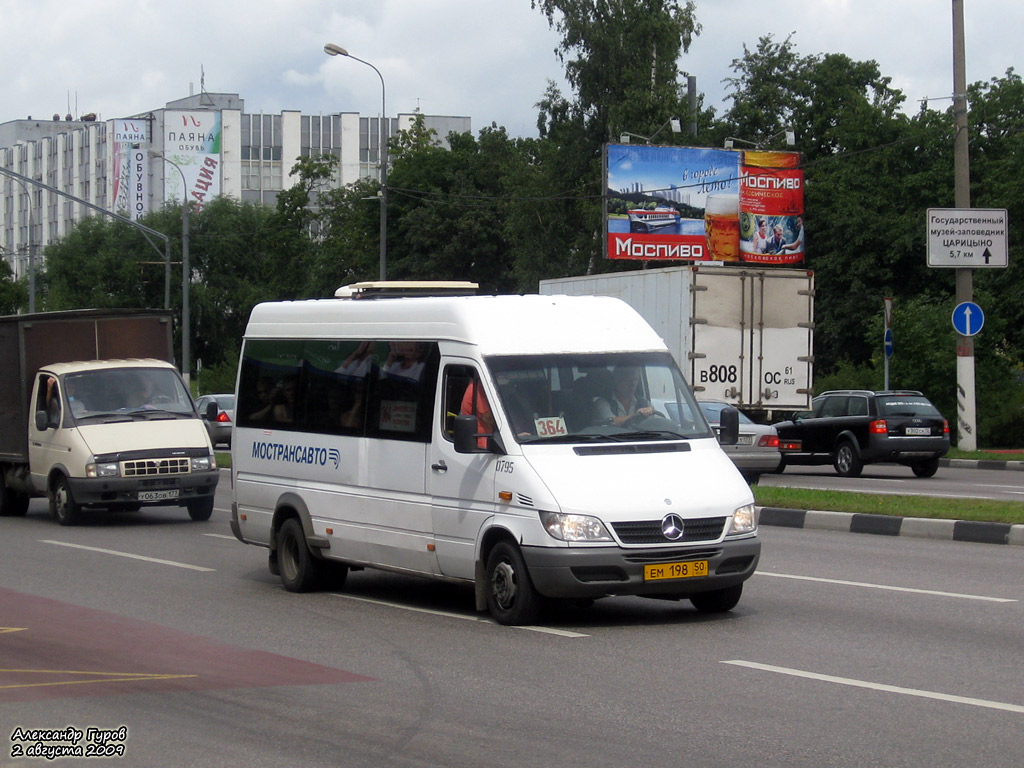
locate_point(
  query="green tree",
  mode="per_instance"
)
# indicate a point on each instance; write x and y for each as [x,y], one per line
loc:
[622,60]
[13,293]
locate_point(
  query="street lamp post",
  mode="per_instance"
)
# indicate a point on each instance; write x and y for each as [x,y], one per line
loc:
[186,276]
[31,251]
[23,180]
[336,50]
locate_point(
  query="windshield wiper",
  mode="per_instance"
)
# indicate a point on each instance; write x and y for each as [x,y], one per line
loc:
[572,438]
[652,434]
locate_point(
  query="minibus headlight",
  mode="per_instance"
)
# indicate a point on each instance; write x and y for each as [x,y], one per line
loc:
[574,527]
[104,469]
[744,520]
[203,463]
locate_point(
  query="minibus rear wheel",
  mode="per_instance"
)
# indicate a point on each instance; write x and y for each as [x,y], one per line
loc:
[300,571]
[511,598]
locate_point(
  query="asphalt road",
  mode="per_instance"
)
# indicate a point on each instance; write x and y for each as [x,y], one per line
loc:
[845,649]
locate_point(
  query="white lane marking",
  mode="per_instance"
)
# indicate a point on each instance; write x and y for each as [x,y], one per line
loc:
[880,686]
[128,555]
[220,536]
[887,587]
[464,617]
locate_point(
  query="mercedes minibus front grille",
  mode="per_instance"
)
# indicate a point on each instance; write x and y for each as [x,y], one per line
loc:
[650,531]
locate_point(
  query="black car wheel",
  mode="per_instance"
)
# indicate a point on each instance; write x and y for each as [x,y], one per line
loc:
[926,468]
[846,460]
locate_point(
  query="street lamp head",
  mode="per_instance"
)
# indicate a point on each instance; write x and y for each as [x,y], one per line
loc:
[334,50]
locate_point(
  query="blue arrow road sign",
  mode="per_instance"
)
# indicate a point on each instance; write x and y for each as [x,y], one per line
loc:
[890,347]
[968,318]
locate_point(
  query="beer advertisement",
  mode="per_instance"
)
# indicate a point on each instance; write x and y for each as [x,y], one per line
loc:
[698,204]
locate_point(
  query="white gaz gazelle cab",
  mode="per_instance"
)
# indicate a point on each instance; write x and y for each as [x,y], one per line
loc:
[538,447]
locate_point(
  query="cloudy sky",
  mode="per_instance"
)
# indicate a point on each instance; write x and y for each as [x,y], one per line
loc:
[489,59]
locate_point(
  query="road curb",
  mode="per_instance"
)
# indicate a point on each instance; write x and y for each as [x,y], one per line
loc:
[982,464]
[885,525]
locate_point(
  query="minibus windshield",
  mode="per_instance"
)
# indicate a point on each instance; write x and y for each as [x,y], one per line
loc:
[595,397]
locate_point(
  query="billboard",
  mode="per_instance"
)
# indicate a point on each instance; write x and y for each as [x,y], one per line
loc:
[192,142]
[699,204]
[131,169]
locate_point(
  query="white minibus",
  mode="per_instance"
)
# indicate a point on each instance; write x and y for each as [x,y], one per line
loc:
[537,447]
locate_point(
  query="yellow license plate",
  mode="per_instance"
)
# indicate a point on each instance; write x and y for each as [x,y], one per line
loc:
[676,570]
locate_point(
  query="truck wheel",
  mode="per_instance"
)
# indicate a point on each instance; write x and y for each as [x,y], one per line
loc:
[926,468]
[12,503]
[717,600]
[63,506]
[201,509]
[300,571]
[846,461]
[511,598]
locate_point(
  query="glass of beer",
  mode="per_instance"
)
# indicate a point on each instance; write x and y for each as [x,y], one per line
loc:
[722,227]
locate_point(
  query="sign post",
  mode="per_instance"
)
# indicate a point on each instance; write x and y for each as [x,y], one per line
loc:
[887,340]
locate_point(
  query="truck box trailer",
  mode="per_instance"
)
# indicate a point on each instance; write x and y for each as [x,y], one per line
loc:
[742,335]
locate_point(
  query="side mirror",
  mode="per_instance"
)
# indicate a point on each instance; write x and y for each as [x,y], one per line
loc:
[466,435]
[211,411]
[729,426]
[42,421]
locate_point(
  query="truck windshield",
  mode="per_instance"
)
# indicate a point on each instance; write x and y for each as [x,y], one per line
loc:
[126,391]
[567,397]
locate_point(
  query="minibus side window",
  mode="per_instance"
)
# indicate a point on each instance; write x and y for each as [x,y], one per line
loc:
[268,367]
[401,402]
[346,387]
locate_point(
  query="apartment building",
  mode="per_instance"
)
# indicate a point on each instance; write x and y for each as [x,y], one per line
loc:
[62,169]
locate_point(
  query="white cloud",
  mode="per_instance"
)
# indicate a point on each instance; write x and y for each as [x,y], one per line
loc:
[489,59]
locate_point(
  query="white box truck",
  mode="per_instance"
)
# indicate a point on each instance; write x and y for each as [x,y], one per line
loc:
[740,334]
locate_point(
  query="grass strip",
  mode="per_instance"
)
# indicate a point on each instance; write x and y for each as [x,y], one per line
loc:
[981,510]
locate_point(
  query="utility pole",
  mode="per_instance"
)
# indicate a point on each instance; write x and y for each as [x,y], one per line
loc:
[965,395]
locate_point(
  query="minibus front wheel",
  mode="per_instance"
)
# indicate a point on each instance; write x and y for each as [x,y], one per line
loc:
[511,597]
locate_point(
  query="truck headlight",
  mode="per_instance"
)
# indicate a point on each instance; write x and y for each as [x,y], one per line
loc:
[744,520]
[203,463]
[574,527]
[104,469]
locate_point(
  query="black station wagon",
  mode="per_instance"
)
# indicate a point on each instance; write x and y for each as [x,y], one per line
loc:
[851,428]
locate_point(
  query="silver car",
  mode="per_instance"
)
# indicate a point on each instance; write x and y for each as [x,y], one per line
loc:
[219,426]
[757,449]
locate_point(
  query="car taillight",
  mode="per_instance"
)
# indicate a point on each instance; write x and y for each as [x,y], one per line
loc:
[769,441]
[878,427]
[222,417]
[790,445]
[945,427]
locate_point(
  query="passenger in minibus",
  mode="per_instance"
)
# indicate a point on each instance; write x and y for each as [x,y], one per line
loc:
[284,409]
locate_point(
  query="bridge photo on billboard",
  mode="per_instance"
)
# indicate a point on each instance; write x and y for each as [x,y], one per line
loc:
[704,205]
